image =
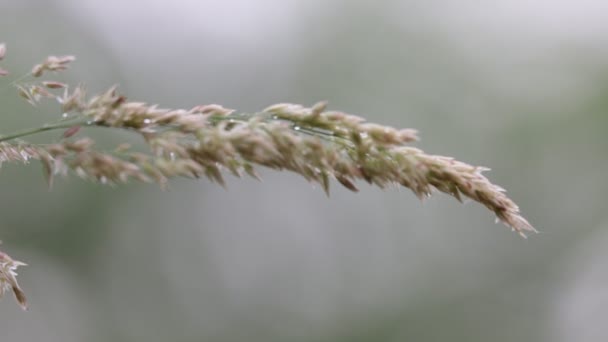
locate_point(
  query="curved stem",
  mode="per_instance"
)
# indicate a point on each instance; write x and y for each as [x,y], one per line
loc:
[305,129]
[86,122]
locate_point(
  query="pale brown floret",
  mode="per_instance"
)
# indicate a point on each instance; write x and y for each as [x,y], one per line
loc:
[3,72]
[2,51]
[54,84]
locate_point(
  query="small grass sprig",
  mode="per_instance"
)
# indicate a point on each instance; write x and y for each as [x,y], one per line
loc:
[8,279]
[204,141]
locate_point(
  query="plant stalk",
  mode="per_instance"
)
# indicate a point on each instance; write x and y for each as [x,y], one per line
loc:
[47,127]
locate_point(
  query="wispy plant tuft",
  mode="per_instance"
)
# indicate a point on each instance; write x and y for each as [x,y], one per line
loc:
[8,280]
[207,140]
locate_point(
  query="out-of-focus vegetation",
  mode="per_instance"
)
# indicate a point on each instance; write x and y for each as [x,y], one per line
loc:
[517,86]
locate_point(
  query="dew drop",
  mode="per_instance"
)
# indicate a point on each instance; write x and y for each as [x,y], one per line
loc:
[64,115]
[147,121]
[296,128]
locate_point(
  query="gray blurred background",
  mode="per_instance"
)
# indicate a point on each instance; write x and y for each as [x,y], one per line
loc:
[520,86]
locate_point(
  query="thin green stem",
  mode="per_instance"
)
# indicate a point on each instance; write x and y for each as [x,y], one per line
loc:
[244,117]
[47,127]
[88,122]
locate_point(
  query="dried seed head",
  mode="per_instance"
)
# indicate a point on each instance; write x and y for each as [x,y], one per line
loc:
[208,139]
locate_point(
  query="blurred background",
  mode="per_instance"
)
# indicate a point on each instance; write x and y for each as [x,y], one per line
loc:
[519,86]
